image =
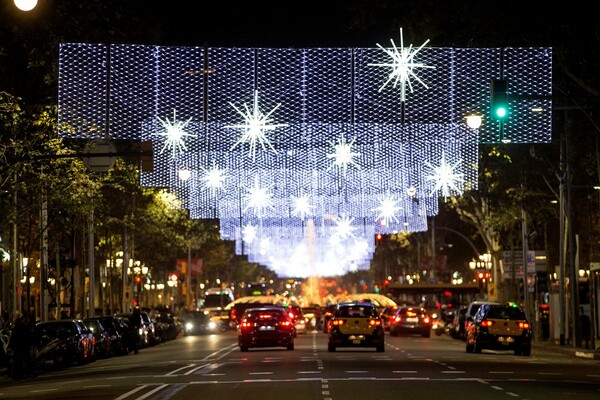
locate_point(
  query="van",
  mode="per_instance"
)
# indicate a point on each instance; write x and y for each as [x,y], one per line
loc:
[215,300]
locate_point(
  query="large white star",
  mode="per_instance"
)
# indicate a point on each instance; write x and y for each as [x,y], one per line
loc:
[301,206]
[249,233]
[174,135]
[5,255]
[343,155]
[258,198]
[445,177]
[255,125]
[343,228]
[403,66]
[387,210]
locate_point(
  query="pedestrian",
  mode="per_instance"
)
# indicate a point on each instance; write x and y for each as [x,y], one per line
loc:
[586,330]
[21,344]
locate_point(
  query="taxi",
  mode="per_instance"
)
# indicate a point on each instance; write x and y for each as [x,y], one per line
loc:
[499,327]
[356,324]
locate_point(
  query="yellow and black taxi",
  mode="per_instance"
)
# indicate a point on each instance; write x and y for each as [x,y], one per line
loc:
[266,326]
[356,324]
[499,327]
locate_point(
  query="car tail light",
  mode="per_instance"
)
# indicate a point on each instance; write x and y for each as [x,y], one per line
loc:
[426,320]
[374,322]
[524,325]
[397,318]
[286,324]
[487,323]
[246,324]
[411,314]
[338,322]
[291,315]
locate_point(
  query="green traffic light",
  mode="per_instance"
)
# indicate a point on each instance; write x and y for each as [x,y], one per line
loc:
[501,112]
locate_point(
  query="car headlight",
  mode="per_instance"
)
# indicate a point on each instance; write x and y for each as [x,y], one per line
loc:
[212,325]
[189,326]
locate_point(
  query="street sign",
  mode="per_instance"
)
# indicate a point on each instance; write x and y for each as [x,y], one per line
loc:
[100,156]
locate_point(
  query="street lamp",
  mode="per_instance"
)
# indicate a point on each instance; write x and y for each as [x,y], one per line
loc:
[25,5]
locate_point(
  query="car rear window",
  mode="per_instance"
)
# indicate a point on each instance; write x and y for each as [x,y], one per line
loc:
[356,312]
[505,313]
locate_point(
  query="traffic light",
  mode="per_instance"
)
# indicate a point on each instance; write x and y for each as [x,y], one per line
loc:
[378,239]
[499,99]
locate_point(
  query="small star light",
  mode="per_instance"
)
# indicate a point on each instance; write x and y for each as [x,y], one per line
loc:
[249,233]
[302,206]
[387,210]
[343,228]
[255,125]
[403,66]
[174,135]
[343,156]
[5,255]
[258,198]
[445,177]
[214,177]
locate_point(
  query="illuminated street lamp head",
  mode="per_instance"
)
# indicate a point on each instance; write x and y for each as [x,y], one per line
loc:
[26,5]
[473,121]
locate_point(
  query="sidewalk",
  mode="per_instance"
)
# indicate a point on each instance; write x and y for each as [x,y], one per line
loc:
[567,349]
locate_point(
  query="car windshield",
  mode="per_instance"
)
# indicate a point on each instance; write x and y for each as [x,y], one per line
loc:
[505,313]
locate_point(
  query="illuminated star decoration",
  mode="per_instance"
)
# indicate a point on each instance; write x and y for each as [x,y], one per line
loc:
[387,210]
[343,156]
[5,255]
[258,198]
[445,177]
[255,125]
[214,178]
[302,207]
[343,228]
[249,233]
[403,66]
[174,134]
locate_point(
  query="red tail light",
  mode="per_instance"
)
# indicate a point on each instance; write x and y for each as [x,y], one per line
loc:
[524,325]
[426,320]
[338,322]
[397,318]
[374,322]
[246,324]
[487,323]
[285,324]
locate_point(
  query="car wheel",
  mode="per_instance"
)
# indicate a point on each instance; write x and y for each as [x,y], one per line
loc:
[243,348]
[526,352]
[331,348]
[477,346]
[393,332]
[290,346]
[428,334]
[469,347]
[381,348]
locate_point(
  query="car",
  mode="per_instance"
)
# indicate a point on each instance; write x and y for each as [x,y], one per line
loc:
[499,327]
[102,336]
[300,322]
[386,316]
[327,315]
[118,334]
[198,323]
[266,326]
[75,342]
[356,324]
[411,321]
[458,324]
[471,310]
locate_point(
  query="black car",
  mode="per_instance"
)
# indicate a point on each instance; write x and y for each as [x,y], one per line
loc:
[266,326]
[117,333]
[499,327]
[102,336]
[410,321]
[198,323]
[72,342]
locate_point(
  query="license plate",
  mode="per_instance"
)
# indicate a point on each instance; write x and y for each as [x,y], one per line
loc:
[356,341]
[413,320]
[266,328]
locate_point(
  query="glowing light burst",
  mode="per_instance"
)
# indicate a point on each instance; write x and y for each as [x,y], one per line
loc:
[301,206]
[403,66]
[343,156]
[343,228]
[5,256]
[174,134]
[387,210]
[445,177]
[249,233]
[255,125]
[258,198]
[214,178]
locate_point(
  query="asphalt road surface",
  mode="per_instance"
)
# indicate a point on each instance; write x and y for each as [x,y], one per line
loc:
[212,367]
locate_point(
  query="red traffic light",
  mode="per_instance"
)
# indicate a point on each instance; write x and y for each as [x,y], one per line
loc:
[480,275]
[138,279]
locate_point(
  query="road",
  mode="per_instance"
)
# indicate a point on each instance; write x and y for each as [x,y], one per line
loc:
[212,367]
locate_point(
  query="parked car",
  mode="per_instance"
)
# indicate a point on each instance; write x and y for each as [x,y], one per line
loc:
[165,326]
[499,327]
[74,341]
[117,332]
[356,324]
[266,326]
[101,335]
[411,321]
